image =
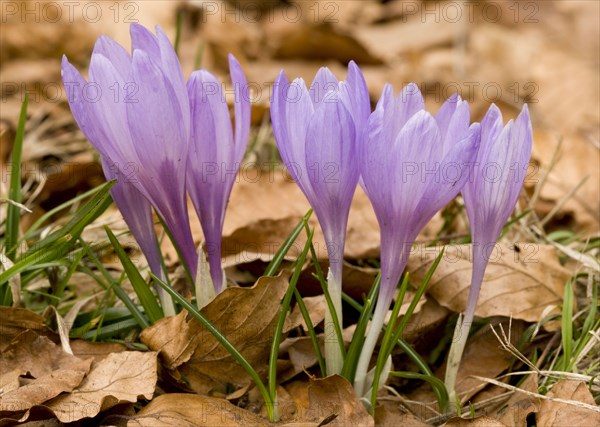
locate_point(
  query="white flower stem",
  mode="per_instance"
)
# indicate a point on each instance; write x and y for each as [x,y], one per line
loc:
[360,378]
[333,353]
[463,325]
[167,303]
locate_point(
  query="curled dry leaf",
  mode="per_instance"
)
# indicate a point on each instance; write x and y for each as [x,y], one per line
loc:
[521,284]
[118,378]
[17,320]
[177,409]
[246,316]
[49,371]
[554,414]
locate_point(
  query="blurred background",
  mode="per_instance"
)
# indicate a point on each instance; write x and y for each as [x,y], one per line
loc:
[544,53]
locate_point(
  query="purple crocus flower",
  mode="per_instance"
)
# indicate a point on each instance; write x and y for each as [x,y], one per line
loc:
[490,197]
[215,154]
[413,165]
[317,132]
[135,110]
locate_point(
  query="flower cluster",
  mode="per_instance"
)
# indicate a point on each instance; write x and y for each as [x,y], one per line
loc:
[155,142]
[409,162]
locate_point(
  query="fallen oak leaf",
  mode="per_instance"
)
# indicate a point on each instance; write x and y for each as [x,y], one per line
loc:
[556,413]
[334,396]
[519,283]
[246,316]
[120,377]
[177,409]
[53,371]
[518,408]
[17,320]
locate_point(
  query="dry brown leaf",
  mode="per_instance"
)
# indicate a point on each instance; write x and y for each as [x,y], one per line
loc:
[301,355]
[52,371]
[518,284]
[520,405]
[391,40]
[577,159]
[474,422]
[316,307]
[118,378]
[390,413]
[334,396]
[17,320]
[176,409]
[246,316]
[324,42]
[97,350]
[483,357]
[430,316]
[555,414]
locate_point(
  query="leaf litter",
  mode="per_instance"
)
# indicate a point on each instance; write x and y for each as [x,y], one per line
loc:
[49,381]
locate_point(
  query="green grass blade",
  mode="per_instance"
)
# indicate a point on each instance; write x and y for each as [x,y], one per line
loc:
[387,343]
[84,216]
[358,338]
[13,213]
[418,295]
[567,326]
[283,311]
[186,267]
[275,263]
[30,233]
[109,331]
[116,288]
[141,288]
[193,311]
[40,256]
[62,285]
[311,331]
[178,29]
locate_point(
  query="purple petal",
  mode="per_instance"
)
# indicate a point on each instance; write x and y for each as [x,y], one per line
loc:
[417,152]
[331,157]
[291,112]
[137,213]
[242,107]
[454,172]
[115,53]
[408,102]
[142,39]
[453,119]
[74,85]
[375,167]
[171,68]
[324,82]
[333,173]
[360,100]
[110,109]
[161,145]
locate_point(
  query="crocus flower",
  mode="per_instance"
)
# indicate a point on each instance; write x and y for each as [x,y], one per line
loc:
[215,154]
[490,197]
[413,165]
[135,110]
[137,213]
[317,132]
